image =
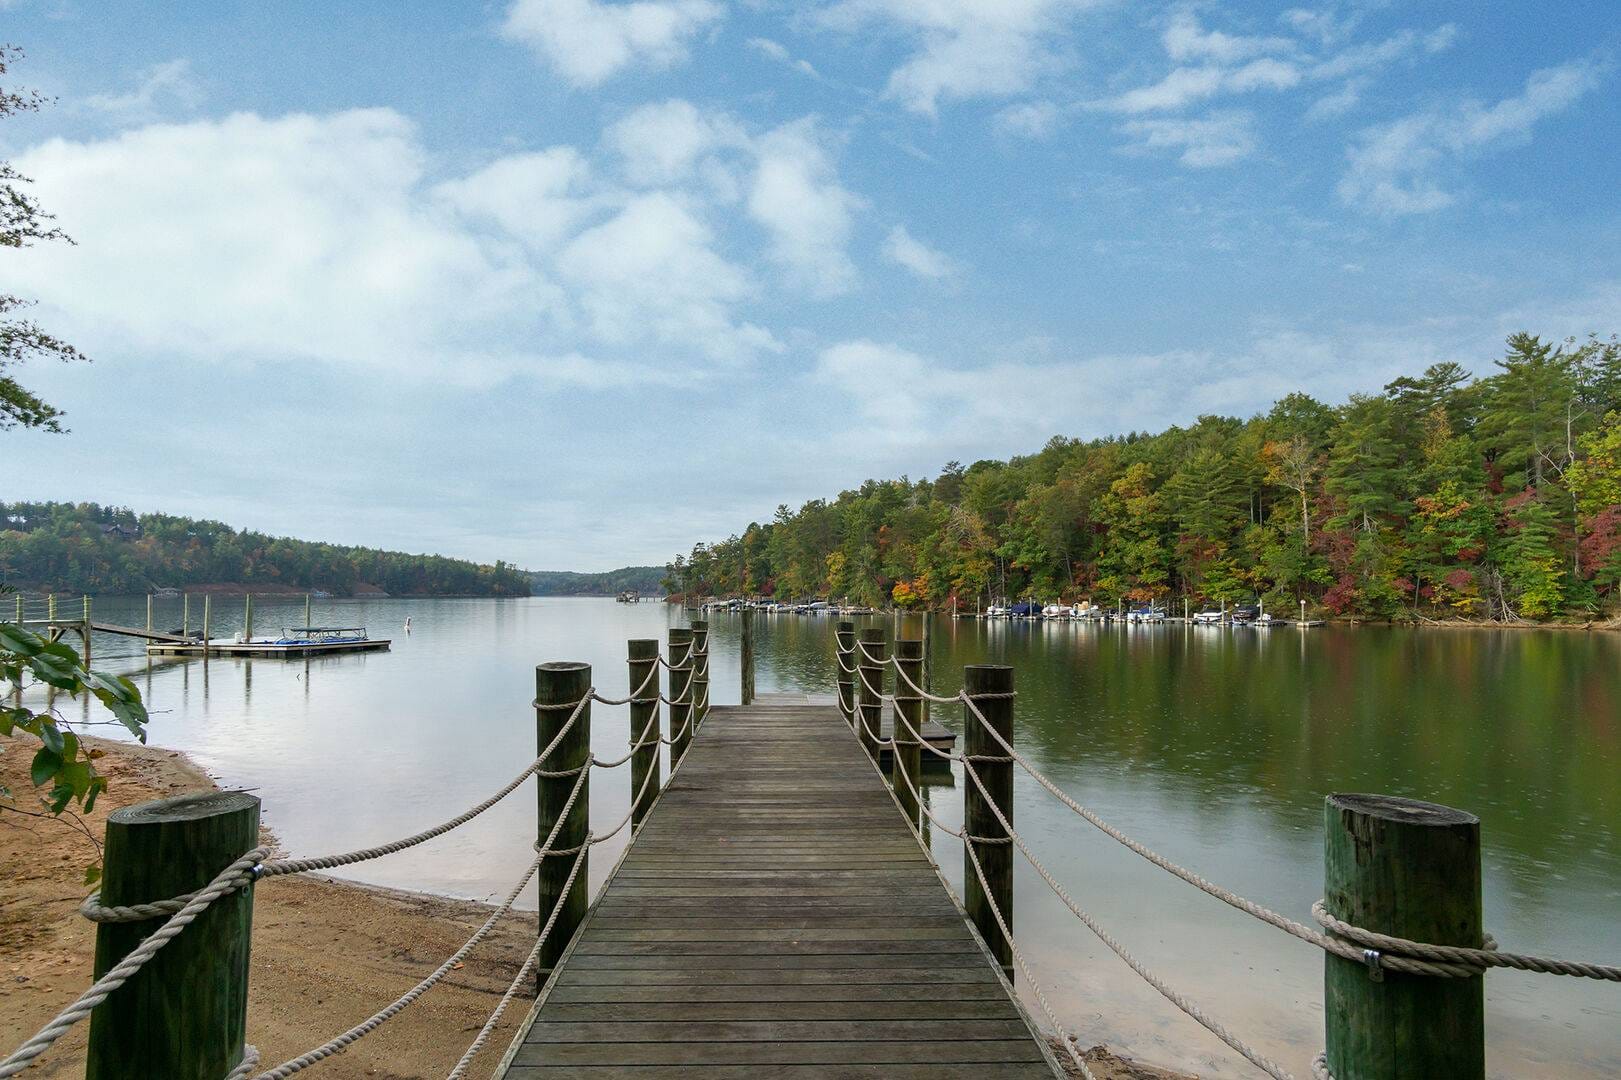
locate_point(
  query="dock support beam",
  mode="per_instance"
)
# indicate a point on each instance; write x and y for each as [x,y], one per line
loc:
[680,650]
[644,727]
[1408,869]
[870,676]
[846,638]
[558,689]
[746,691]
[185,1013]
[700,674]
[991,687]
[906,757]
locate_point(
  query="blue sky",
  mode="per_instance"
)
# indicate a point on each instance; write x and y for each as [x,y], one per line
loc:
[576,283]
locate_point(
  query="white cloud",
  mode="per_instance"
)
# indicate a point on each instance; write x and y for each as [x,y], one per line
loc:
[1219,139]
[170,82]
[661,143]
[796,196]
[1184,86]
[590,41]
[1184,39]
[903,249]
[317,239]
[651,272]
[965,48]
[771,49]
[538,197]
[889,386]
[1030,119]
[1392,166]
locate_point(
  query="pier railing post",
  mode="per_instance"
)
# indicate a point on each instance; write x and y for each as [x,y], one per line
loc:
[1408,869]
[558,688]
[846,638]
[700,674]
[644,726]
[991,688]
[907,754]
[184,1014]
[746,692]
[680,653]
[870,662]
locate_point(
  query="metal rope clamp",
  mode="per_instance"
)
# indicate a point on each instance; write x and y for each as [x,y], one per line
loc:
[1376,972]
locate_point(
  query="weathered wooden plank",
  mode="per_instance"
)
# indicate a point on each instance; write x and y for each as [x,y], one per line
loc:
[842,1071]
[786,1053]
[775,918]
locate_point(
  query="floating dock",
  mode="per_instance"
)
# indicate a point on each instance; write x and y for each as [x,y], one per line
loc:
[299,642]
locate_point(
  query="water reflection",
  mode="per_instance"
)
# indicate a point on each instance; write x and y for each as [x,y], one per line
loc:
[1214,746]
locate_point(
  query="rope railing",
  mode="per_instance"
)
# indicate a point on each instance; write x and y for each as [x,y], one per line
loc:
[1338,937]
[253,865]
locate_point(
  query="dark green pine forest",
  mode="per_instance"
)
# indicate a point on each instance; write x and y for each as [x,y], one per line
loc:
[83,547]
[1444,496]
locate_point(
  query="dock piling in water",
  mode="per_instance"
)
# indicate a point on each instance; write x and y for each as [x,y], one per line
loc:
[870,664]
[700,673]
[1408,869]
[644,725]
[906,758]
[846,638]
[680,660]
[185,1013]
[559,687]
[746,691]
[991,688]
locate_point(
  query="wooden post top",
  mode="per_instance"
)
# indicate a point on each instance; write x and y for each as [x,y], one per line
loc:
[1403,811]
[193,807]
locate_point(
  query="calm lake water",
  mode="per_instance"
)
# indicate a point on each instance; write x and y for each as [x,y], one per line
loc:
[1214,746]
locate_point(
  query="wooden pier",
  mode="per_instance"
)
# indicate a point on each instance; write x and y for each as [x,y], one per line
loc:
[774,917]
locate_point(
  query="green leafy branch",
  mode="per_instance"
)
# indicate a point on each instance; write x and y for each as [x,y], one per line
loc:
[63,765]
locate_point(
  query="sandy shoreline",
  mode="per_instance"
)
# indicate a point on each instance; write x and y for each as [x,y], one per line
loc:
[326,953]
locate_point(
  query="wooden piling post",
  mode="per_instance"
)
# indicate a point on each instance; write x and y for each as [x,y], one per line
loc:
[207,621]
[558,689]
[746,692]
[906,756]
[50,607]
[20,610]
[149,613]
[700,674]
[306,610]
[185,614]
[680,656]
[870,688]
[644,726]
[247,617]
[185,1013]
[991,688]
[927,682]
[1408,869]
[846,640]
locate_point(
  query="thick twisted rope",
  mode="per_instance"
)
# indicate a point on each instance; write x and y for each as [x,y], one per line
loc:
[634,696]
[1409,957]
[1252,1055]
[245,1067]
[524,974]
[225,881]
[399,1004]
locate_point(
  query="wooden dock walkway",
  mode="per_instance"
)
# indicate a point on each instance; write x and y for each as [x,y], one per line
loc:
[774,918]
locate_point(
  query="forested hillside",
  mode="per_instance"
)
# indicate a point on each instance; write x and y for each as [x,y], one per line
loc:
[1443,496]
[82,547]
[643,579]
